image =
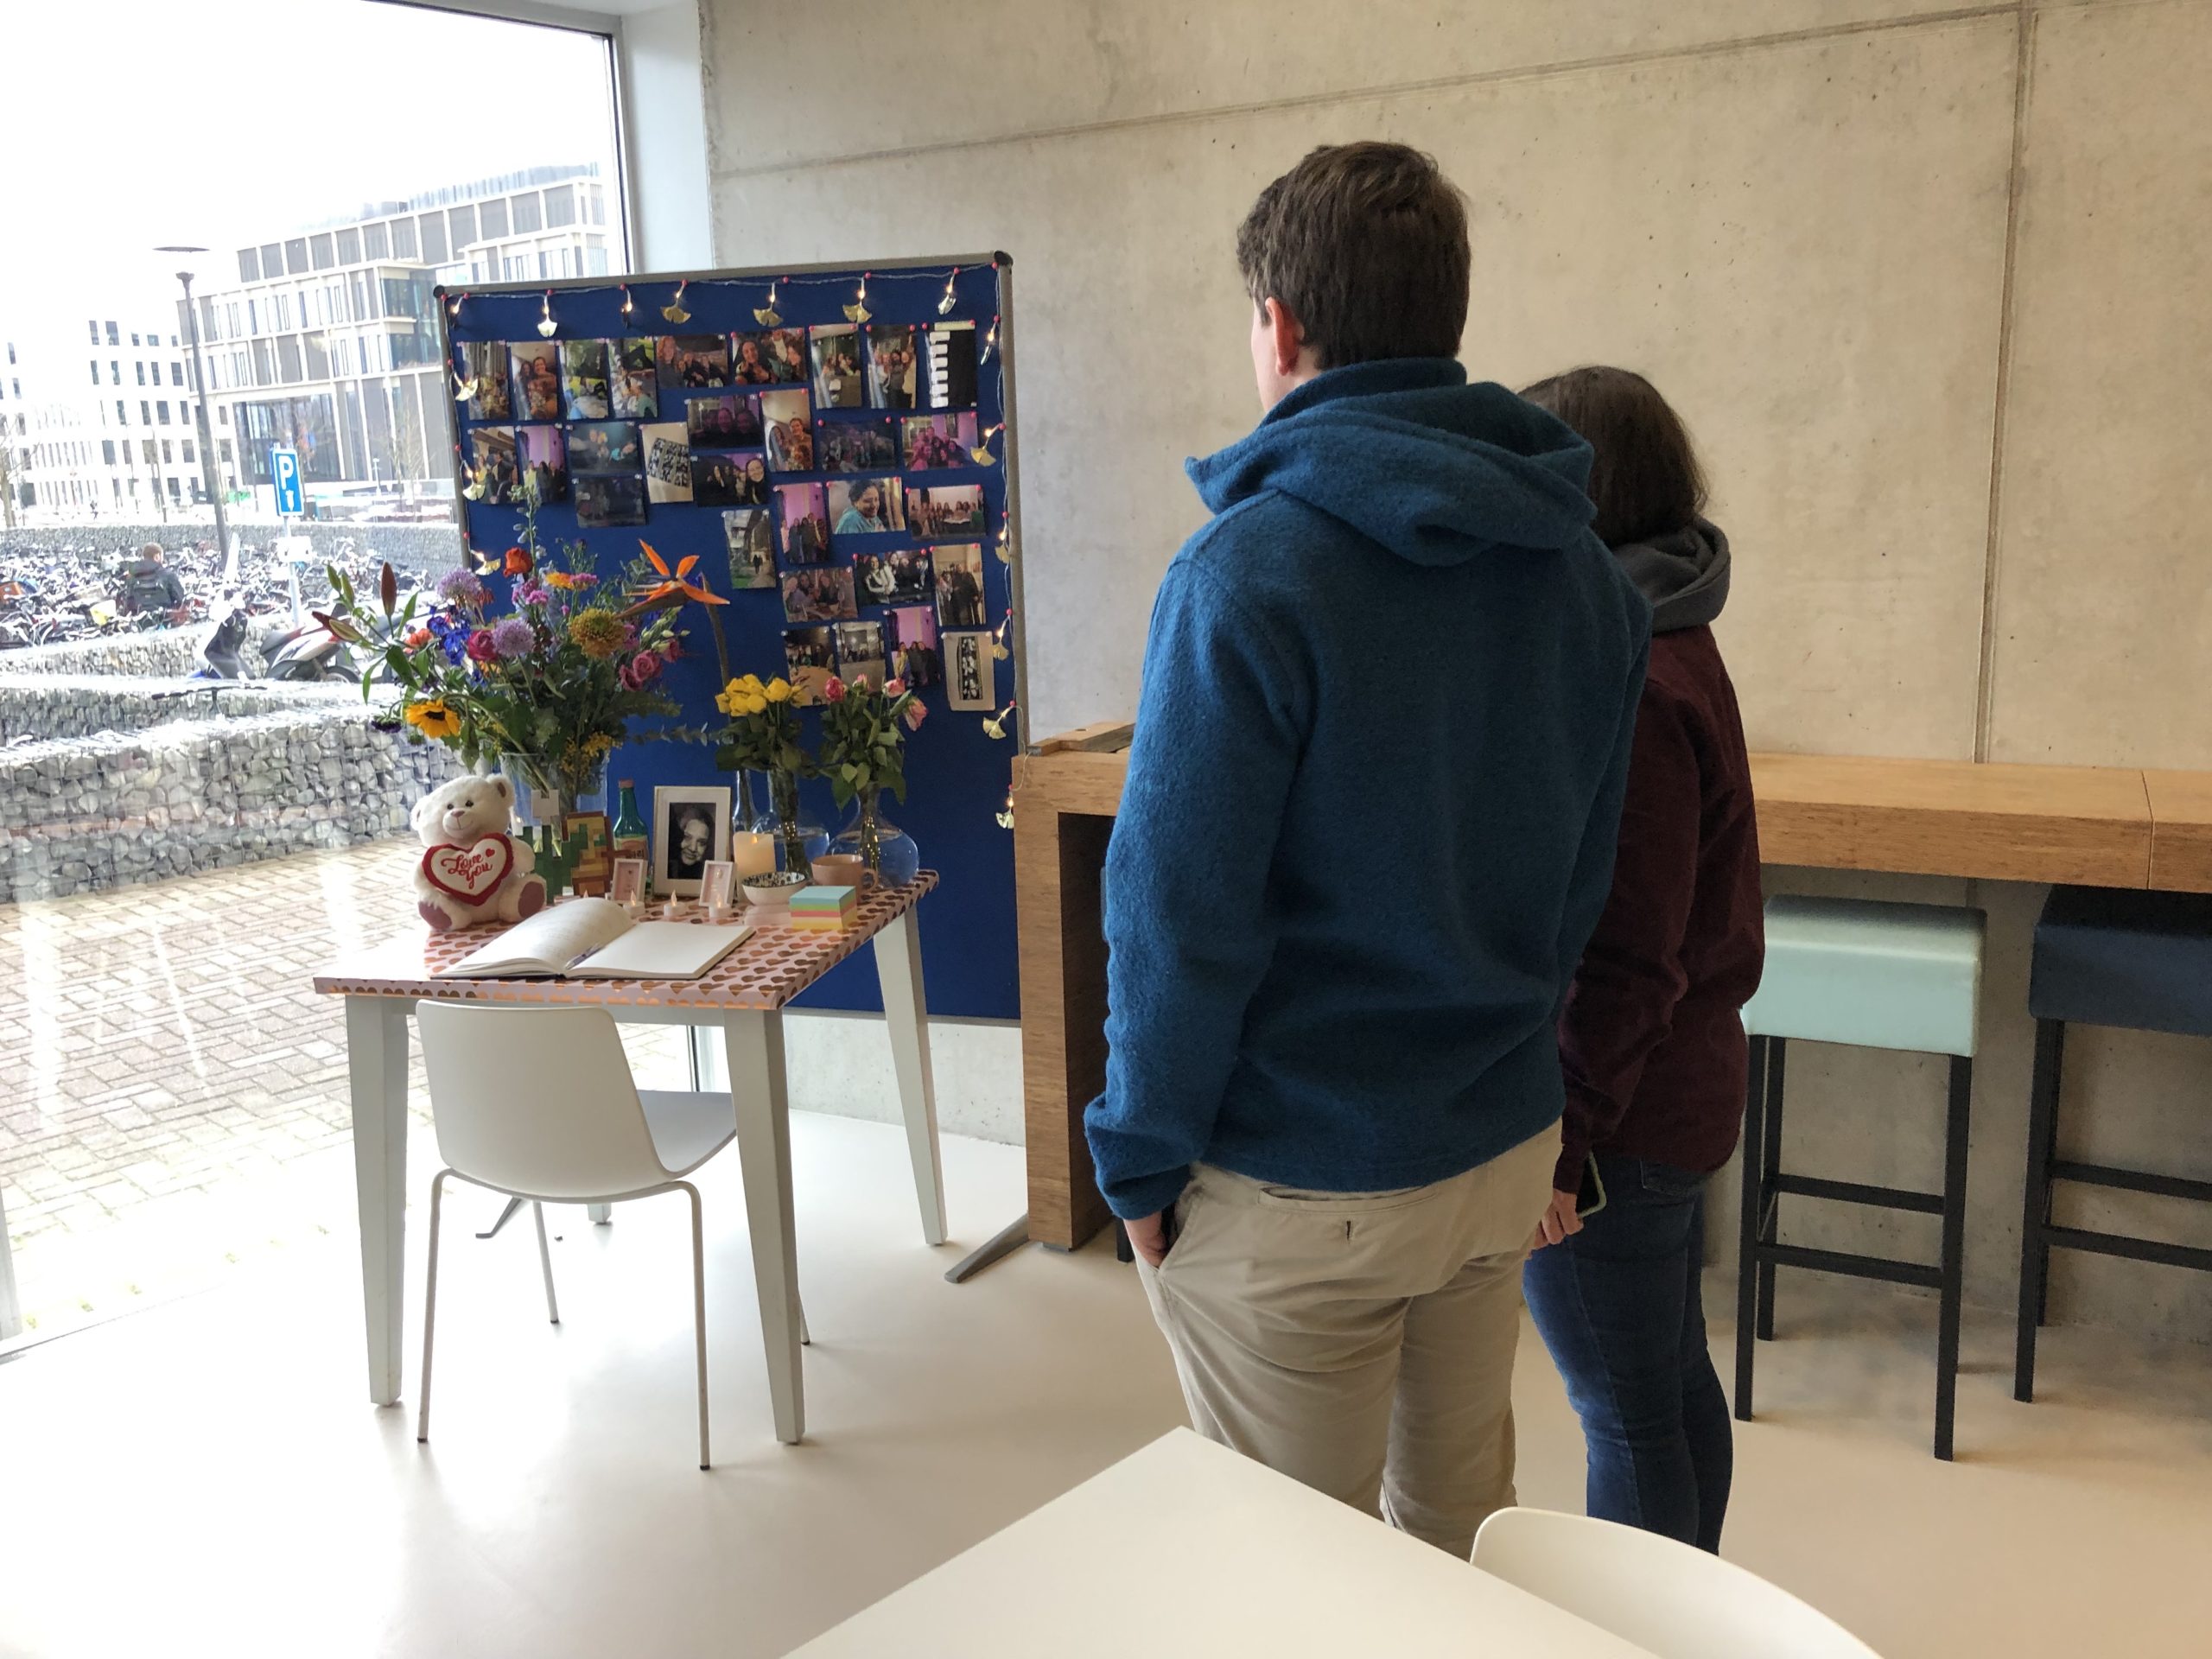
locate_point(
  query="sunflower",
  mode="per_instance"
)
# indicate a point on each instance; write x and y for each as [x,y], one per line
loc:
[598,634]
[433,718]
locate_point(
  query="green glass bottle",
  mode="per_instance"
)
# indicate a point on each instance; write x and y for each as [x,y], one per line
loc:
[628,834]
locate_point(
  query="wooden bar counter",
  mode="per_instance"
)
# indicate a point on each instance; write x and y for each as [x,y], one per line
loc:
[2094,826]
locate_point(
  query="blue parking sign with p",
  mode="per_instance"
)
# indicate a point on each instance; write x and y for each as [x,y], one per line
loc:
[284,468]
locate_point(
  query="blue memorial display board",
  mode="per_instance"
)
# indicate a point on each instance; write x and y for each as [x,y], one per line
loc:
[836,447]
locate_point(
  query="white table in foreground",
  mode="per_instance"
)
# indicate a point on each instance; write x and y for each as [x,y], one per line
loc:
[743,997]
[1187,1547]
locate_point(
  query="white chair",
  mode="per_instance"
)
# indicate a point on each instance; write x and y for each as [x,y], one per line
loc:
[1672,1600]
[538,1103]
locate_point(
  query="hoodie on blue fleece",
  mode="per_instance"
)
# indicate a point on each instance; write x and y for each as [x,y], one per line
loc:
[1369,824]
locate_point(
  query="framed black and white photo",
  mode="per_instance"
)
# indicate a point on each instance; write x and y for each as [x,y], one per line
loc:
[691,831]
[968,672]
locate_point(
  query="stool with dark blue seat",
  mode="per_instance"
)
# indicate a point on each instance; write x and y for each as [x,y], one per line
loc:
[2135,960]
[1870,975]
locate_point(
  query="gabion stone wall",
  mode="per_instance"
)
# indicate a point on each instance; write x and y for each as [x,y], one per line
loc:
[45,706]
[77,814]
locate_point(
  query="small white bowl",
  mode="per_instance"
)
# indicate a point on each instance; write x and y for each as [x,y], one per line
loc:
[774,891]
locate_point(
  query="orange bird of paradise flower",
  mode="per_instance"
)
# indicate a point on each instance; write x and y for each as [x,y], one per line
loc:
[674,584]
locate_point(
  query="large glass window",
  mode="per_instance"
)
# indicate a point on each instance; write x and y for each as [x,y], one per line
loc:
[321,253]
[526,212]
[494,213]
[375,242]
[403,239]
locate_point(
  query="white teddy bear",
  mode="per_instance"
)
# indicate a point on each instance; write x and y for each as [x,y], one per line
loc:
[471,870]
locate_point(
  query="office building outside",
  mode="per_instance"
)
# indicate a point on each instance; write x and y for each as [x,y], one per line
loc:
[97,418]
[328,341]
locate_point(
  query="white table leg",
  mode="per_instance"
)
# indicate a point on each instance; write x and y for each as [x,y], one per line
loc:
[753,1043]
[12,1306]
[899,969]
[376,1056]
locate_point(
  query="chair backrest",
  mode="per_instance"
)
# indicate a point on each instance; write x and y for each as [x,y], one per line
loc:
[1665,1598]
[537,1099]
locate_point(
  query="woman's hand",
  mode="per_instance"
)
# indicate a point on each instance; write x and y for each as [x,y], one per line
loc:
[1559,1221]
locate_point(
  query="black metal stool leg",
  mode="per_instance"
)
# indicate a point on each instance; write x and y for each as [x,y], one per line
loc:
[2034,1208]
[1954,1244]
[1747,1244]
[1771,1173]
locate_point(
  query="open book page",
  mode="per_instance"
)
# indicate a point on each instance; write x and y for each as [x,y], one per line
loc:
[664,950]
[545,943]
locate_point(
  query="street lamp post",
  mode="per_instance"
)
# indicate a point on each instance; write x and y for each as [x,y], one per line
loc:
[210,478]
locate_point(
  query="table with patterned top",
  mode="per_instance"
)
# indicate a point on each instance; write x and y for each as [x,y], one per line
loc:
[743,997]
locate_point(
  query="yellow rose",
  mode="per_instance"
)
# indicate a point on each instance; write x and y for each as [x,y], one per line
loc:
[754,705]
[778,690]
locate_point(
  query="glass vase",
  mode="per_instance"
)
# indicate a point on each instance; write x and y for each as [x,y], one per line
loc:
[797,842]
[547,792]
[887,853]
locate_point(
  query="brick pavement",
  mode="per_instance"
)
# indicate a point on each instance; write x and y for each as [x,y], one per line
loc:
[173,1093]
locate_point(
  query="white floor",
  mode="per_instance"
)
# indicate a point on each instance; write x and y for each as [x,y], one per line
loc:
[209,1478]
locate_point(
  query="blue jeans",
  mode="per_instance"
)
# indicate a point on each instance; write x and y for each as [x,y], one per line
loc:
[1619,1307]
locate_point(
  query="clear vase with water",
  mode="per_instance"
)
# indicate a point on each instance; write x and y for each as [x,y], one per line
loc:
[888,852]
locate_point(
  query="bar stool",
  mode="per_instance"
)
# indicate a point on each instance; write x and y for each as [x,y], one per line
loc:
[1870,975]
[2135,960]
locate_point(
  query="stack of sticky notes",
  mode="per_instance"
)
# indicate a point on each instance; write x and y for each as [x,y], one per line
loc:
[825,909]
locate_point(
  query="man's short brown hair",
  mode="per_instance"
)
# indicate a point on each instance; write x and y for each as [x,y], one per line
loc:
[1366,244]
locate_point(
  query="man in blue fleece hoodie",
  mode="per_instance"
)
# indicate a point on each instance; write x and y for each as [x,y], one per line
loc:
[1369,824]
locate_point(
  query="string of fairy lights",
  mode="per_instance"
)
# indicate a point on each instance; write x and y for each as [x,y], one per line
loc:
[856,310]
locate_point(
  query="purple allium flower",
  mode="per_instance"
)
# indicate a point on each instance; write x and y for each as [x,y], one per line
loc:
[461,588]
[512,637]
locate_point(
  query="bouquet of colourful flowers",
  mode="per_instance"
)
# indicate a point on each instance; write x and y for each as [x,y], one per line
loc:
[552,685]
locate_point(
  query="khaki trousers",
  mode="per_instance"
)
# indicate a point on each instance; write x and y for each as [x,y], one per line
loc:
[1361,1343]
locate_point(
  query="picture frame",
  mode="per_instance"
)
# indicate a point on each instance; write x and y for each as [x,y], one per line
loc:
[970,671]
[626,886]
[718,885]
[690,830]
[595,864]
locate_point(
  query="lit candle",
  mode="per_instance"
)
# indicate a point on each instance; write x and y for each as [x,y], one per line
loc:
[752,855]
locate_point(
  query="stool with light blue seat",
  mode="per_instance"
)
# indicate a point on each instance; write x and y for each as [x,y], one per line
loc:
[1866,975]
[2139,961]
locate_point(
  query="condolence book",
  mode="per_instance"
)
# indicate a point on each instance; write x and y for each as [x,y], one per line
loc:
[594,938]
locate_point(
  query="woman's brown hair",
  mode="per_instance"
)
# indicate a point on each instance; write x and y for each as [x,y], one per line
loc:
[1645,481]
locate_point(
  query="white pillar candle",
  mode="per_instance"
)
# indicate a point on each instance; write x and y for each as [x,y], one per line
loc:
[752,855]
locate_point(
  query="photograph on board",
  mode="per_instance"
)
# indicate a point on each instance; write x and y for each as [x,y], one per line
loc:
[606,446]
[775,357]
[637,382]
[688,362]
[486,365]
[788,416]
[949,365]
[802,513]
[730,421]
[492,460]
[544,458]
[947,509]
[911,632]
[959,585]
[538,380]
[736,478]
[820,595]
[584,379]
[865,506]
[899,577]
[891,365]
[668,461]
[609,499]
[937,441]
[837,380]
[749,362]
[865,445]
[859,654]
[751,533]
[810,655]
[969,674]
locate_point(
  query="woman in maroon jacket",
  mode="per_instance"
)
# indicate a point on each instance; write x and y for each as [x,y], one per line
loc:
[1650,1039]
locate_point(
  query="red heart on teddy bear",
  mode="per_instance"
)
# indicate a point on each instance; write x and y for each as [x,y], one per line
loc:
[471,873]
